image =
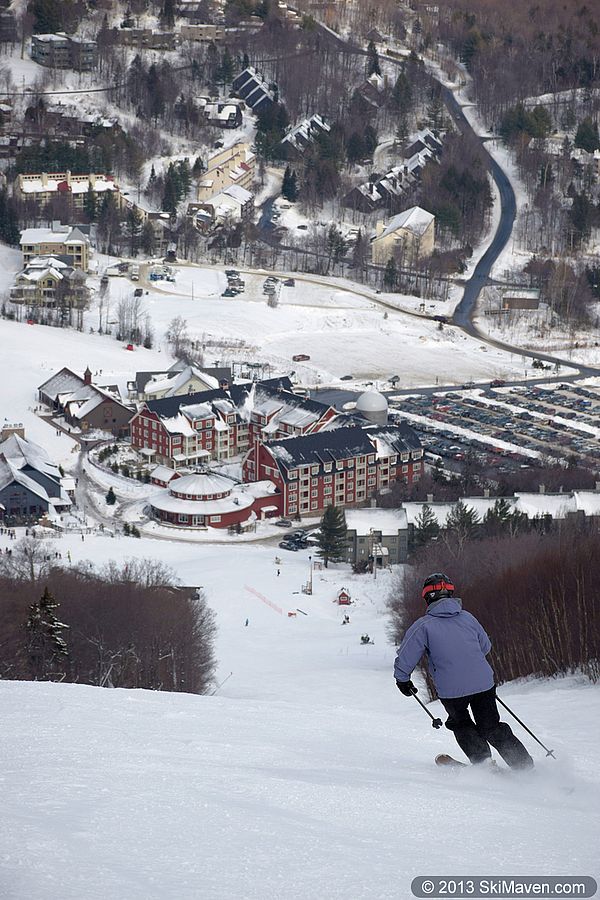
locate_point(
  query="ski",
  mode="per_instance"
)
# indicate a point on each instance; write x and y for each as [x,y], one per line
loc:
[445,760]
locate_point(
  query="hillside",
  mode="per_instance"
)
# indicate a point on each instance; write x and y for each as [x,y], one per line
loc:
[306,776]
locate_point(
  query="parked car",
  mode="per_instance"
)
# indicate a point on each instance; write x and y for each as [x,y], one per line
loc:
[288,545]
[284,523]
[290,282]
[497,382]
[138,292]
[300,357]
[104,280]
[346,378]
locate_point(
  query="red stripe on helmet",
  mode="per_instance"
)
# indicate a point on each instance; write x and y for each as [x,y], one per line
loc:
[440,586]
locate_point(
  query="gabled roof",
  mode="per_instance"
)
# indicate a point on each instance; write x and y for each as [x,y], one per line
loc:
[170,406]
[61,382]
[416,220]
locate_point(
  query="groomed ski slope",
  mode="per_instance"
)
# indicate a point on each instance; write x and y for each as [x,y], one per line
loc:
[307,776]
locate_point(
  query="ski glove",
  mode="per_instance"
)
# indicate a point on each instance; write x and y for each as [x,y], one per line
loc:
[406,687]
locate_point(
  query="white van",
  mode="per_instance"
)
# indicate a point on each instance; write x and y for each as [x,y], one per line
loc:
[135,273]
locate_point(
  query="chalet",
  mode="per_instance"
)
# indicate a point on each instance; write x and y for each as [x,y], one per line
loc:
[175,384]
[30,483]
[302,135]
[230,166]
[253,89]
[84,405]
[221,113]
[47,281]
[220,424]
[232,205]
[410,234]
[341,467]
[59,240]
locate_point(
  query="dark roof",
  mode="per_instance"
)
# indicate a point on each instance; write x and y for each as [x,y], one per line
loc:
[170,406]
[341,443]
[322,447]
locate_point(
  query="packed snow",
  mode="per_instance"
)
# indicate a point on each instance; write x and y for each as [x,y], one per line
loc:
[306,776]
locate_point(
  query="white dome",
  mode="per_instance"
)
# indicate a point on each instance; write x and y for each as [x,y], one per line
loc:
[371,401]
[201,485]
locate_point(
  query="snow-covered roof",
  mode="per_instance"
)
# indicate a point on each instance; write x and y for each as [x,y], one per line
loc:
[416,220]
[162,473]
[202,484]
[178,424]
[62,382]
[387,521]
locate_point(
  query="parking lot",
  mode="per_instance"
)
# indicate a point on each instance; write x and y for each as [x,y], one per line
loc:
[507,427]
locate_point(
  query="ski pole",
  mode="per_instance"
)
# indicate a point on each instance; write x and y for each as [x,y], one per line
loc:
[437,723]
[528,730]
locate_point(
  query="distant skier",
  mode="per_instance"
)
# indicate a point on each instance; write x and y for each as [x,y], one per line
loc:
[456,646]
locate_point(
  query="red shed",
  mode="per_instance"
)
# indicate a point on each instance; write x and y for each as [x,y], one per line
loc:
[344,598]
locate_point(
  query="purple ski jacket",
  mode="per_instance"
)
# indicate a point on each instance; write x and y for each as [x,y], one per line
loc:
[456,646]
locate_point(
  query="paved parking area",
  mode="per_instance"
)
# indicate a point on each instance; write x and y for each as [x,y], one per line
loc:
[507,427]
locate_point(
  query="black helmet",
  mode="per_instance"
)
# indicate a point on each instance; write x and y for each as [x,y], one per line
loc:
[437,586]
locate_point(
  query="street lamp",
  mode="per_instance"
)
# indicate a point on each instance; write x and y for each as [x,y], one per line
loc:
[310,575]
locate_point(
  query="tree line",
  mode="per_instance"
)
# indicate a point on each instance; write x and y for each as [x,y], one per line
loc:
[537,596]
[126,625]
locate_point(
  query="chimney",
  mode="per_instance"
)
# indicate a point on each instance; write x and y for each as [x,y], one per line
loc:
[430,498]
[486,492]
[44,180]
[68,177]
[542,488]
[87,376]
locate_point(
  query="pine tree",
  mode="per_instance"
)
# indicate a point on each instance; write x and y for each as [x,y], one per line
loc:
[9,221]
[148,239]
[89,204]
[370,139]
[111,498]
[46,645]
[373,66]
[462,520]
[587,136]
[134,228]
[426,527]
[289,186]
[402,95]
[390,275]
[167,13]
[332,535]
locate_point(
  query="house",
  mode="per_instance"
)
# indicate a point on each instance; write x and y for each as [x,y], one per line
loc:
[219,424]
[63,51]
[207,379]
[253,89]
[232,205]
[389,191]
[377,535]
[343,466]
[221,113]
[60,240]
[204,34]
[230,166]
[44,187]
[50,281]
[146,38]
[175,384]
[410,235]
[84,405]
[302,135]
[30,483]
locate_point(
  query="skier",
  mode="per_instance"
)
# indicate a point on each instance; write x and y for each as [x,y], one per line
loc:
[456,646]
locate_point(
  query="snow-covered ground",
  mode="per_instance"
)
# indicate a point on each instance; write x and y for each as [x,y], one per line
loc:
[307,776]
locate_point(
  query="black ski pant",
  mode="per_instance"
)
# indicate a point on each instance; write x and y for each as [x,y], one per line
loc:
[474,737]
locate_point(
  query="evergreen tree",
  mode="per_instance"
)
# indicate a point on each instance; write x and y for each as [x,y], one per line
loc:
[289,187]
[435,110]
[46,645]
[9,221]
[370,139]
[498,517]
[167,13]
[462,520]
[360,251]
[426,527]
[355,148]
[89,204]
[373,66]
[390,275]
[111,498]
[587,136]
[402,95]
[224,72]
[48,16]
[134,229]
[147,239]
[332,535]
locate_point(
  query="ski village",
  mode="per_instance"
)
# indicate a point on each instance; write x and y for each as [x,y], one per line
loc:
[299,449]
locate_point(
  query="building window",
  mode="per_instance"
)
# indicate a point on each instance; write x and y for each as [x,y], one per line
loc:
[293,474]
[215,518]
[292,507]
[314,493]
[371,481]
[314,505]
[350,463]
[327,479]
[328,467]
[327,491]
[315,470]
[405,468]
[314,481]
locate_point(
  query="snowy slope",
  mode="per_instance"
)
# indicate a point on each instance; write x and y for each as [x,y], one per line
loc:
[306,776]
